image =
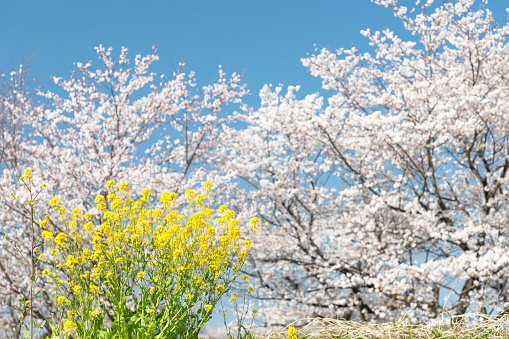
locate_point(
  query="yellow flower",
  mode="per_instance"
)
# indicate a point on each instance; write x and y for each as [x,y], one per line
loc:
[110,184]
[71,261]
[54,202]
[207,185]
[165,198]
[123,186]
[255,224]
[190,195]
[199,198]
[61,239]
[220,289]
[94,314]
[208,307]
[176,253]
[116,203]
[292,333]
[47,235]
[141,275]
[61,300]
[77,288]
[21,317]
[68,326]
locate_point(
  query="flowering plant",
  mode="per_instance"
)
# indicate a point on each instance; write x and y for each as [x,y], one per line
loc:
[174,270]
[243,332]
[31,261]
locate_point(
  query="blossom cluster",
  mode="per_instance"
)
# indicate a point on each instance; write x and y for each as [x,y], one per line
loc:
[176,262]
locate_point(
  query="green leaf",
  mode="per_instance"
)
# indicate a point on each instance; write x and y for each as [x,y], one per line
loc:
[135,300]
[79,327]
[103,334]
[21,261]
[32,278]
[42,243]
[26,335]
[410,335]
[38,294]
[436,333]
[132,322]
[41,325]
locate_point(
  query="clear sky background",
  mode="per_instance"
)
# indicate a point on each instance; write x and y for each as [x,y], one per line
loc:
[264,40]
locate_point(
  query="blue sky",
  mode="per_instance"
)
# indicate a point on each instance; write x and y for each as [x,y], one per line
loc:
[262,39]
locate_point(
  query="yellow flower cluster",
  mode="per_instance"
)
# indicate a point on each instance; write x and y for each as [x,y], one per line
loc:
[27,176]
[68,326]
[292,333]
[156,248]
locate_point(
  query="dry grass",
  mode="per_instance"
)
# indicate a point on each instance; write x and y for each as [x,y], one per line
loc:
[458,327]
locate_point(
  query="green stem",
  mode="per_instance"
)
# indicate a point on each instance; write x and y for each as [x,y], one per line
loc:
[32,267]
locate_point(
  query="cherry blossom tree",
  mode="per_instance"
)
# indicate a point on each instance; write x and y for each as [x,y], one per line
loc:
[112,122]
[391,195]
